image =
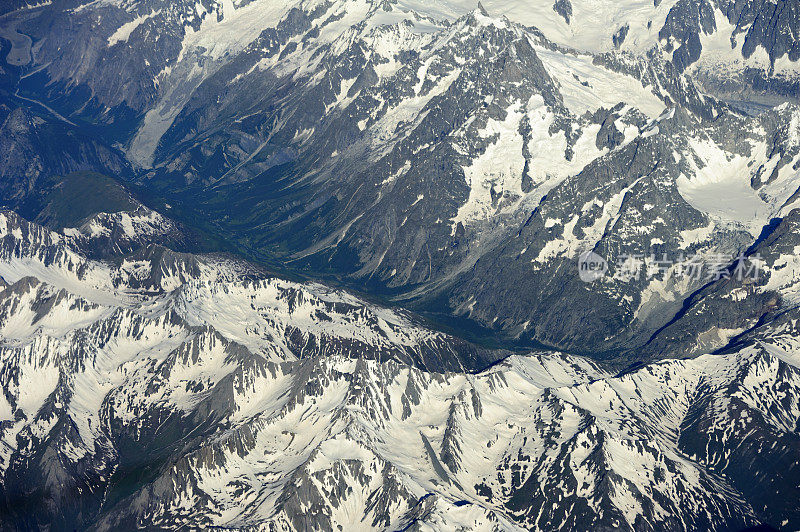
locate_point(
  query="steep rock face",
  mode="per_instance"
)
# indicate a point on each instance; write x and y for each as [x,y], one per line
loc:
[772,26]
[627,205]
[20,156]
[35,149]
[116,53]
[685,22]
[734,309]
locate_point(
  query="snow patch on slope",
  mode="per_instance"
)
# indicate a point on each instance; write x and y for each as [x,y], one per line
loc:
[124,32]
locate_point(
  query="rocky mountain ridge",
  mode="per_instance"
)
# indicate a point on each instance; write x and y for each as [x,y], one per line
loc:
[463,161]
[187,392]
[414,151]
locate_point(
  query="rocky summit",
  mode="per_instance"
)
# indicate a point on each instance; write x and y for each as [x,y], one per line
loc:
[400,265]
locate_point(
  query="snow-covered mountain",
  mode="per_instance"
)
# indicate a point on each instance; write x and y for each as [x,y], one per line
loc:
[420,154]
[174,391]
[277,320]
[454,158]
[407,147]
